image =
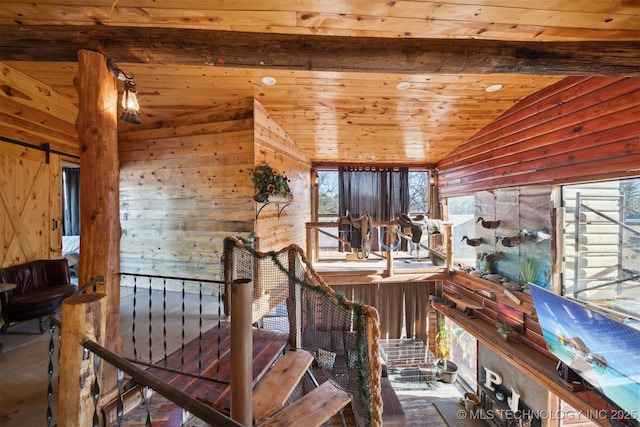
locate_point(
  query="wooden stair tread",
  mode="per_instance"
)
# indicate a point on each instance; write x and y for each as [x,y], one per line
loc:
[313,409]
[272,392]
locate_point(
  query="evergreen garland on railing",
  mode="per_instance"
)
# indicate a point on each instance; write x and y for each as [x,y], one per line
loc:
[356,307]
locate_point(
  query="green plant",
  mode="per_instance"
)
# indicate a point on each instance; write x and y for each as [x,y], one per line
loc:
[443,341]
[268,181]
[528,271]
[505,329]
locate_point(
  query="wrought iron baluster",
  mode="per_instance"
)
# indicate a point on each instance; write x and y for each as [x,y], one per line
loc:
[52,329]
[221,289]
[150,322]
[120,406]
[147,401]
[182,345]
[133,326]
[185,416]
[96,389]
[164,319]
[199,331]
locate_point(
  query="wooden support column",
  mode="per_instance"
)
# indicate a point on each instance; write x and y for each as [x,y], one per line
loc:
[241,352]
[448,244]
[100,189]
[83,317]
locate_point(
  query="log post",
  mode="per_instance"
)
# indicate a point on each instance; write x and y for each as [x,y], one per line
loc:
[389,272]
[83,317]
[100,189]
[241,352]
[448,244]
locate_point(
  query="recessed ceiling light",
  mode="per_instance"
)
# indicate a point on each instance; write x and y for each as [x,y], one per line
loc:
[403,85]
[493,88]
[269,81]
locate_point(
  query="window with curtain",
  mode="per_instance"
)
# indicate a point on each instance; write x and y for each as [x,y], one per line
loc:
[382,192]
[71,201]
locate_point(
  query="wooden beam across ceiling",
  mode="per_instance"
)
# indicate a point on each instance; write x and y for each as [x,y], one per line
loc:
[320,53]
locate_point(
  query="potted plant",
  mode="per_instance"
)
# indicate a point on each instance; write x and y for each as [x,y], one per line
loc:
[505,330]
[528,271]
[270,185]
[447,370]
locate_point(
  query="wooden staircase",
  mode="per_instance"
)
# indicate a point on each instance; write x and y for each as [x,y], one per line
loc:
[271,394]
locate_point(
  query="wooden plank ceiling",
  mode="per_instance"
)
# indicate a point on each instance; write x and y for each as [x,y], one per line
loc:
[337,64]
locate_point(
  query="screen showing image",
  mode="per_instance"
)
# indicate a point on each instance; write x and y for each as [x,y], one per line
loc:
[604,352]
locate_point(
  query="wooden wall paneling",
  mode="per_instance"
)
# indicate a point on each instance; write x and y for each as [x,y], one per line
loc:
[274,146]
[561,124]
[588,123]
[184,188]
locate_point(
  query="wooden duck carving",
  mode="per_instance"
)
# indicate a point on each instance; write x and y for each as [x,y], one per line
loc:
[534,236]
[494,257]
[488,224]
[473,242]
[509,242]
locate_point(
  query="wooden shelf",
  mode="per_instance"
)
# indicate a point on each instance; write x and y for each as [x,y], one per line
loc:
[536,365]
[479,284]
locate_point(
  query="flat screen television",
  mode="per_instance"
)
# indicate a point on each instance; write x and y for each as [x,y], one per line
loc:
[603,351]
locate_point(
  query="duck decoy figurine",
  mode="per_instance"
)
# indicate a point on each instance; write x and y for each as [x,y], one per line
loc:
[535,236]
[488,224]
[473,242]
[494,257]
[509,242]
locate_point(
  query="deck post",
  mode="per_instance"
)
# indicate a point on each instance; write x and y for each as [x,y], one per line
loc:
[84,317]
[241,352]
[389,272]
[448,244]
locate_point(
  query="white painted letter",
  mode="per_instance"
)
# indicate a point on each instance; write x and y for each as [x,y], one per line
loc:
[514,400]
[491,379]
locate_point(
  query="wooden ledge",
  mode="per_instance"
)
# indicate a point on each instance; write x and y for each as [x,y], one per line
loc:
[479,284]
[338,278]
[536,365]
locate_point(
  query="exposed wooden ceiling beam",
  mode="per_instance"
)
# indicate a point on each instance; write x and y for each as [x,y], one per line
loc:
[319,53]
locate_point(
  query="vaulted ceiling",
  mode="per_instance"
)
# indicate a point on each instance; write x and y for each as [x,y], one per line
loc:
[358,82]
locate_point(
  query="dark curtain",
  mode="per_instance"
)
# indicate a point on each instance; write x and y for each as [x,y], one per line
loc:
[71,201]
[382,192]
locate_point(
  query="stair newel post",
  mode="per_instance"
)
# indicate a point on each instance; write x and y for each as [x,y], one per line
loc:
[294,305]
[241,352]
[84,317]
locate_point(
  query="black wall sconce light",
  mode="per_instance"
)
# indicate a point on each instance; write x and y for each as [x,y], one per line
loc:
[130,106]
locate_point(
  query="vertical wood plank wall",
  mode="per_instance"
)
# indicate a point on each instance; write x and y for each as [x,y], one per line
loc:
[578,129]
[273,145]
[185,186]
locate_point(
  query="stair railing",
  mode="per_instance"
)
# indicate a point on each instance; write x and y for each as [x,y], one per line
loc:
[83,352]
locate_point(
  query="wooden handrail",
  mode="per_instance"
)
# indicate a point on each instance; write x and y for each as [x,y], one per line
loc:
[142,377]
[84,319]
[447,234]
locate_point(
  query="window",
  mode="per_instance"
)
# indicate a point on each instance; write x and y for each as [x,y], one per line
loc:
[601,248]
[329,197]
[460,212]
[328,193]
[419,192]
[464,352]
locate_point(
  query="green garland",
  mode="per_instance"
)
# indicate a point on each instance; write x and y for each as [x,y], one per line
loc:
[362,371]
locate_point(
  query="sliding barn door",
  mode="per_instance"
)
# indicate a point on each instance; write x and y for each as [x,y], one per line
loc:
[30,205]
